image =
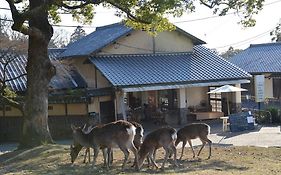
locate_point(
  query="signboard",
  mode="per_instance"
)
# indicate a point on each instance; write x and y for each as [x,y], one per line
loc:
[259,88]
[241,121]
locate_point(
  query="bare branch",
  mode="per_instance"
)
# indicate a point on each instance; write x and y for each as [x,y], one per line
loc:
[214,3]
[11,79]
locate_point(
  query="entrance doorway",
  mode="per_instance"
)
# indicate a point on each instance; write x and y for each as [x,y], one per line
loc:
[107,112]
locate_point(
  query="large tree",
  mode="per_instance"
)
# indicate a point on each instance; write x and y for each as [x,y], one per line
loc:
[33,18]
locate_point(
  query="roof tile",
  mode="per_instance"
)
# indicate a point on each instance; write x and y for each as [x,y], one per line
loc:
[142,69]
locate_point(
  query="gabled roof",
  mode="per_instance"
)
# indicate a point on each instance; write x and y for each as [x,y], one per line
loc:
[202,65]
[260,58]
[96,40]
[104,36]
[17,68]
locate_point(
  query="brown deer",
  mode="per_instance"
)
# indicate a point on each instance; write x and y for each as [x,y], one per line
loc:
[164,137]
[193,131]
[76,148]
[120,133]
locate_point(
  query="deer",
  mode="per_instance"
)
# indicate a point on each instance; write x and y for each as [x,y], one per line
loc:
[120,133]
[163,137]
[77,146]
[193,131]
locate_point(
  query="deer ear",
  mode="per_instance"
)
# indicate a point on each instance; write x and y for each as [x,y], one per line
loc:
[73,127]
[84,127]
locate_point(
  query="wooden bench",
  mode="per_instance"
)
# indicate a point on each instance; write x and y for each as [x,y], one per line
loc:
[208,115]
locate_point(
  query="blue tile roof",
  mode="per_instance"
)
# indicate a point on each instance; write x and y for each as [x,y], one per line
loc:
[104,36]
[202,65]
[17,68]
[96,40]
[260,58]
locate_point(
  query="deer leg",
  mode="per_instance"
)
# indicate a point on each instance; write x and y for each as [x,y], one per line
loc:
[204,141]
[126,155]
[85,156]
[89,154]
[182,149]
[110,156]
[151,157]
[96,153]
[105,157]
[165,158]
[174,151]
[190,144]
[203,144]
[135,152]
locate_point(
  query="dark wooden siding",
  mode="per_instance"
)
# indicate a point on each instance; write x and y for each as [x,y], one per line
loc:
[11,127]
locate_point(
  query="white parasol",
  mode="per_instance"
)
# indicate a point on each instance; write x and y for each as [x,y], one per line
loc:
[226,89]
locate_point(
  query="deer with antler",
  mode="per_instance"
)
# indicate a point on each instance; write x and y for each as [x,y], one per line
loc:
[164,137]
[193,131]
[120,133]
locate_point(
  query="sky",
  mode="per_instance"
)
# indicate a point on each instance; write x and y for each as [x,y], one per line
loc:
[218,32]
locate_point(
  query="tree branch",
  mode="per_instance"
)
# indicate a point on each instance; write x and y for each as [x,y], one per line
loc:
[129,13]
[11,79]
[20,18]
[87,2]
[214,3]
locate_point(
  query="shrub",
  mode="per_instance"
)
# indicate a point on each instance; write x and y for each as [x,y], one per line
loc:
[274,114]
[262,117]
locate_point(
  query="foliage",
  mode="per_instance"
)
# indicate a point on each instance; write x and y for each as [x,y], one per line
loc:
[9,93]
[230,53]
[78,33]
[262,117]
[274,113]
[276,33]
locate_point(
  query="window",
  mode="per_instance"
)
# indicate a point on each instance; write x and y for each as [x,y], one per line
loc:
[168,99]
[50,107]
[215,101]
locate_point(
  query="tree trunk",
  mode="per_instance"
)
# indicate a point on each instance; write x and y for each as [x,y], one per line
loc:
[39,73]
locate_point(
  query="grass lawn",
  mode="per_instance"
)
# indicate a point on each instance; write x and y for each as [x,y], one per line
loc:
[55,159]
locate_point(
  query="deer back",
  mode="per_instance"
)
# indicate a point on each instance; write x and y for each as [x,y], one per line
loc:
[193,131]
[114,133]
[165,136]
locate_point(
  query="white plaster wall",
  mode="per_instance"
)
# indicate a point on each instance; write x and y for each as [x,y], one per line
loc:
[87,71]
[195,95]
[140,42]
[173,42]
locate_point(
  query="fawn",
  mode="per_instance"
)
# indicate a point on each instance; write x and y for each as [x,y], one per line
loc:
[164,137]
[193,131]
[120,133]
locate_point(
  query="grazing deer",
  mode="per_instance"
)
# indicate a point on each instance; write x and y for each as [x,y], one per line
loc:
[120,133]
[137,139]
[164,137]
[193,131]
[77,146]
